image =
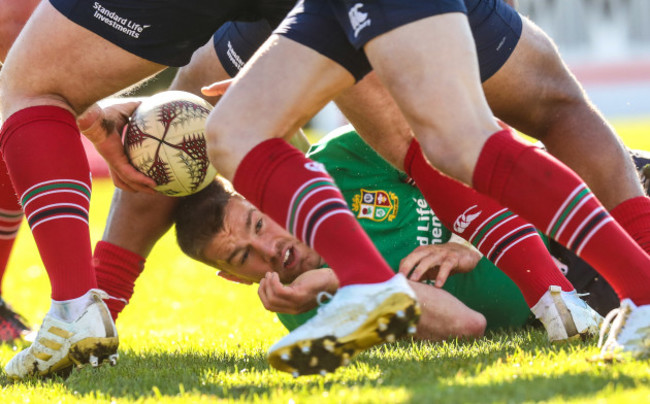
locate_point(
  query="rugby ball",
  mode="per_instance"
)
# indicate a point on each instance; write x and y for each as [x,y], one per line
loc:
[165,140]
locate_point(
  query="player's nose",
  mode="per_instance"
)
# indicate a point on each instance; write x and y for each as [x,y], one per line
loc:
[267,247]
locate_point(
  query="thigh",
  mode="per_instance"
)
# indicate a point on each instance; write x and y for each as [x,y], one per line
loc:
[278,91]
[313,24]
[57,62]
[375,116]
[165,32]
[533,73]
[204,68]
[430,68]
[13,16]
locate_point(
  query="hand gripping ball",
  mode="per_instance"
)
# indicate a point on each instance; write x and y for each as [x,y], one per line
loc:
[165,140]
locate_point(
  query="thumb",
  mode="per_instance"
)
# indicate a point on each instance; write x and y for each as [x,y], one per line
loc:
[90,123]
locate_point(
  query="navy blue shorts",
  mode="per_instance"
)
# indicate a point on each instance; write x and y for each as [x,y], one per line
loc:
[313,24]
[495,25]
[236,41]
[166,31]
[496,28]
[363,21]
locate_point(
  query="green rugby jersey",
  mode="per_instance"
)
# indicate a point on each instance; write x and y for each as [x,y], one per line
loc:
[398,219]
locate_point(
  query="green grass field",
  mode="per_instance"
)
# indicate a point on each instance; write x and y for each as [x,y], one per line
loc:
[189,336]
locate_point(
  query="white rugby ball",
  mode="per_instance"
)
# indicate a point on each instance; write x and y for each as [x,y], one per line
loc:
[165,140]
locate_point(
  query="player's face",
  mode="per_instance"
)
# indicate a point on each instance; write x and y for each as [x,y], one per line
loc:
[252,244]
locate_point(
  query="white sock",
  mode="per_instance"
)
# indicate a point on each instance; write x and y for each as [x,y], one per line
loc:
[70,310]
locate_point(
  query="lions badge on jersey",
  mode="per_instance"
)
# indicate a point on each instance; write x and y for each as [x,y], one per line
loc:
[375,205]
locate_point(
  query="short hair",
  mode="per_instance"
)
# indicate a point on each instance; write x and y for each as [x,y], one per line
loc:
[199,217]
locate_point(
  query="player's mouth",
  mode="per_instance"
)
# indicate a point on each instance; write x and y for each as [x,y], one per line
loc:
[289,257]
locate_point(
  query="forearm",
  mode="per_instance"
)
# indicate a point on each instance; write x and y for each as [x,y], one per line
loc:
[444,316]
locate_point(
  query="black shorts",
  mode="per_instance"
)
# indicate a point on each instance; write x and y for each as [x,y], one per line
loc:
[166,31]
[496,28]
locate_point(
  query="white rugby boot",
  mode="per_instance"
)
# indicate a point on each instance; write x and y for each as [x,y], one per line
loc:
[59,345]
[629,332]
[565,315]
[357,317]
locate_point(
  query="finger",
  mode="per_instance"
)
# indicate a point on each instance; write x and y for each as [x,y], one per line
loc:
[418,272]
[216,89]
[432,264]
[262,293]
[274,298]
[274,285]
[90,124]
[429,260]
[267,295]
[136,180]
[411,261]
[443,272]
[117,181]
[126,109]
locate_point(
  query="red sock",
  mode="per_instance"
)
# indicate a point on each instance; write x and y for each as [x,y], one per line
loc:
[555,199]
[298,194]
[507,240]
[634,216]
[49,170]
[11,215]
[117,270]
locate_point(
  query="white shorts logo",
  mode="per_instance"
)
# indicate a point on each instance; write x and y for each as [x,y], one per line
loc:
[316,167]
[234,57]
[463,221]
[358,19]
[115,21]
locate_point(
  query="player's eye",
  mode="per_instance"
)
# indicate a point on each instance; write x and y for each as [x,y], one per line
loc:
[258,225]
[244,257]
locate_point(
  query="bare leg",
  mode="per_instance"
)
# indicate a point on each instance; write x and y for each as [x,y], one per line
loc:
[204,68]
[374,115]
[535,93]
[452,120]
[446,110]
[13,15]
[252,110]
[79,79]
[136,220]
[40,100]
